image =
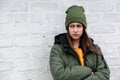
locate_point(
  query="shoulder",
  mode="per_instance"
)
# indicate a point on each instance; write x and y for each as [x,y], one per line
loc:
[98,48]
[57,46]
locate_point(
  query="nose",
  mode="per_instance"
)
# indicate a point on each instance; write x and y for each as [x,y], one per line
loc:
[75,29]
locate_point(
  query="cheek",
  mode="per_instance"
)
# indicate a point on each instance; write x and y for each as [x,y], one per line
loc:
[81,30]
[69,32]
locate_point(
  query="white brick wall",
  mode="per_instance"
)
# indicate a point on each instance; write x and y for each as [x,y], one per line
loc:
[27,29]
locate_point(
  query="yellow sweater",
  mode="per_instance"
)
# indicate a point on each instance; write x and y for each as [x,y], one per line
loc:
[80,55]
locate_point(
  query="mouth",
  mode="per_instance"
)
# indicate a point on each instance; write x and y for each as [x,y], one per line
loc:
[75,35]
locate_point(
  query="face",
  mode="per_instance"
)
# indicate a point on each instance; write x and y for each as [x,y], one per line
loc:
[75,30]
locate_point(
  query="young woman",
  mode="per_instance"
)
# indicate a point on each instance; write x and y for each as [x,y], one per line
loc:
[74,56]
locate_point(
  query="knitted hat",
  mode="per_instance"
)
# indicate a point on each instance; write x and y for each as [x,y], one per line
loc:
[75,14]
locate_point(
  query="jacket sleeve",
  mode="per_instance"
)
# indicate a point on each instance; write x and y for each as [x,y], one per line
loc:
[102,72]
[61,72]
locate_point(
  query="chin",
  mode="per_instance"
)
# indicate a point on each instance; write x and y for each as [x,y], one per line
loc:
[76,38]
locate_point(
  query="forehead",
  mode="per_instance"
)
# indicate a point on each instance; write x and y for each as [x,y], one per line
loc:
[75,23]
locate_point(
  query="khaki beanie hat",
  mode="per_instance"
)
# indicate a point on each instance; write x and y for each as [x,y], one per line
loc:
[75,14]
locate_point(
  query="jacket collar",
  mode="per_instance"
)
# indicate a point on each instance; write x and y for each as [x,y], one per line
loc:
[62,39]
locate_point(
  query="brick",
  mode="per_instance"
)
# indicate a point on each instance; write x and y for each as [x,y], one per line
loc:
[113,61]
[19,29]
[109,50]
[13,5]
[113,39]
[37,18]
[22,17]
[14,53]
[39,29]
[57,29]
[66,4]
[6,41]
[44,6]
[102,28]
[36,52]
[111,17]
[100,7]
[38,76]
[117,28]
[10,29]
[114,73]
[93,18]
[56,18]
[6,66]
[46,30]
[118,49]
[6,18]
[13,75]
[50,40]
[30,18]
[29,41]
[40,0]
[118,6]
[18,75]
[4,75]
[29,65]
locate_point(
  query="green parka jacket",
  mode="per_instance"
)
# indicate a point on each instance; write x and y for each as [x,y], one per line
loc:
[64,63]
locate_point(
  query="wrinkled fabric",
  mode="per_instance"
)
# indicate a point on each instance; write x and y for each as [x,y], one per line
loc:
[65,65]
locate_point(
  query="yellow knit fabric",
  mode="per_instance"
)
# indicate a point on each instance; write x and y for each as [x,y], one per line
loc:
[80,55]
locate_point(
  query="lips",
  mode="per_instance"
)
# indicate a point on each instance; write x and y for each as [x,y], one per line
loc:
[75,35]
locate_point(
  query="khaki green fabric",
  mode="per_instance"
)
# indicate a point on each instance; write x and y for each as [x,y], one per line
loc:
[64,66]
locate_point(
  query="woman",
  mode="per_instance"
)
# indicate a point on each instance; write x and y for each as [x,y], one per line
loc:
[74,56]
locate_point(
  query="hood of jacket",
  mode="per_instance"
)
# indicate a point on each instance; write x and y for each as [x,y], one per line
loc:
[62,39]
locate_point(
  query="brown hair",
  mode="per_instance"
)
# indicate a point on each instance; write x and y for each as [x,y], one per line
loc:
[85,42]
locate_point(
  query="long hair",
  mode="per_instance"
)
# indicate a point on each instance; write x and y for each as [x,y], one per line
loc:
[85,42]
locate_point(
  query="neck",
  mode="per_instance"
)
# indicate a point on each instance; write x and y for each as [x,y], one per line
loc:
[76,43]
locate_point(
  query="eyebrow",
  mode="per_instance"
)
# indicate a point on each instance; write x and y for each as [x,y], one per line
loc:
[75,24]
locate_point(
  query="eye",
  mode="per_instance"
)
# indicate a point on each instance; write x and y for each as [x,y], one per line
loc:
[71,26]
[79,26]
